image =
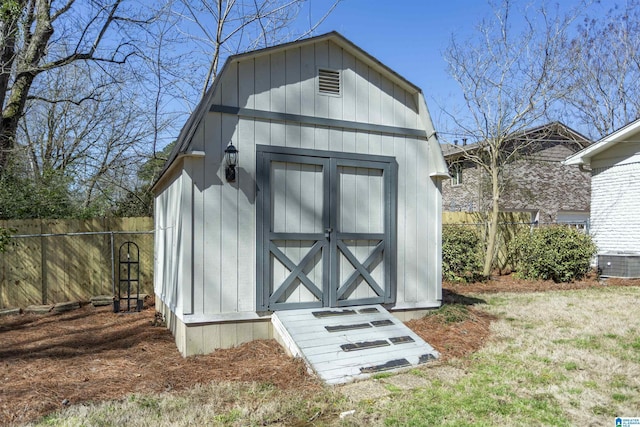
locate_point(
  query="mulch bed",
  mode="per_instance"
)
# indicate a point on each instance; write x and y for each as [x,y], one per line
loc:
[510,283]
[92,354]
[454,340]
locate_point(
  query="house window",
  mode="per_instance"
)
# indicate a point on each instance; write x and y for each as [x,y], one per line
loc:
[456,174]
[328,82]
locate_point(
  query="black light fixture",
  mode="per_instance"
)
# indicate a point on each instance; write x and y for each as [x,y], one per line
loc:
[231,160]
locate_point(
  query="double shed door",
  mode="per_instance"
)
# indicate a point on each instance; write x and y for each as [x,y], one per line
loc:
[325,229]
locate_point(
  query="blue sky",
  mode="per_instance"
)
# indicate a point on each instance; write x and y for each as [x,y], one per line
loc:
[409,36]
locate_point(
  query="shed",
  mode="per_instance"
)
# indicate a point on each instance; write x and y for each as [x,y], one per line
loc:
[614,162]
[336,199]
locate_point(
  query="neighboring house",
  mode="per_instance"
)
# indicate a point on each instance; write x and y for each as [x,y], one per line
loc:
[535,181]
[614,165]
[335,200]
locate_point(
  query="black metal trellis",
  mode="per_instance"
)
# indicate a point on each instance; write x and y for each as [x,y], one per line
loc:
[128,278]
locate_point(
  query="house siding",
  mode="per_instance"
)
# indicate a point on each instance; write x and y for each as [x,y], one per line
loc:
[467,196]
[286,82]
[547,187]
[615,222]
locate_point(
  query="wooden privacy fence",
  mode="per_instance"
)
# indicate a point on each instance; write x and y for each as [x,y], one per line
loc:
[51,261]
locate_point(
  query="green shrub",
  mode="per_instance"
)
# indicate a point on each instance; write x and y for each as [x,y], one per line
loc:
[461,254]
[5,238]
[558,253]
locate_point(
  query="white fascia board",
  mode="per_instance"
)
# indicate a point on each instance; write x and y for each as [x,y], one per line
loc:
[583,157]
[437,163]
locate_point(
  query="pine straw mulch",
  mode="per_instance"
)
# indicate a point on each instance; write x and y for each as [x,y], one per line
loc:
[92,354]
[510,283]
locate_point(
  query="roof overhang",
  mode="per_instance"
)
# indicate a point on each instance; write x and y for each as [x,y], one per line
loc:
[172,167]
[583,157]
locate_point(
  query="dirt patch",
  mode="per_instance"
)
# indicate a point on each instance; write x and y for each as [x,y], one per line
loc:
[92,354]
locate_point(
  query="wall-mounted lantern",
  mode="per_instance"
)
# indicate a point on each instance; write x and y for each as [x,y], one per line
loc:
[231,160]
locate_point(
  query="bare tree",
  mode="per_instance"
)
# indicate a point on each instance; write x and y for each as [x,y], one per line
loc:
[38,36]
[602,88]
[96,135]
[88,88]
[224,27]
[509,76]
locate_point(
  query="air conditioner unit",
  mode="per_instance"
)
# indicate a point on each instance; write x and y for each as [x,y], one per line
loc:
[618,264]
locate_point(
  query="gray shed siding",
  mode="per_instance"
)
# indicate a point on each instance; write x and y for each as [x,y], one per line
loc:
[167,274]
[217,220]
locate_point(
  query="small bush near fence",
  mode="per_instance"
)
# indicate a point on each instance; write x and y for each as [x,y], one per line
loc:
[558,253]
[461,254]
[5,236]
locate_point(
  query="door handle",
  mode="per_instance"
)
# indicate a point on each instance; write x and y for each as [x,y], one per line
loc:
[327,232]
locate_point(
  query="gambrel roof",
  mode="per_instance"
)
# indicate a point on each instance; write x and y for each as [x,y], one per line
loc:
[183,143]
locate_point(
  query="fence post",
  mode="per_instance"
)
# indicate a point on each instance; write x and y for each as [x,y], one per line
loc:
[113,267]
[43,268]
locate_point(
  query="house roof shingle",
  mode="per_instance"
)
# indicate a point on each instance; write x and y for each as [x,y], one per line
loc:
[454,150]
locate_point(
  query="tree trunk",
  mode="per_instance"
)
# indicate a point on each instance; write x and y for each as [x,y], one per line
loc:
[6,143]
[9,22]
[11,118]
[36,32]
[492,234]
[8,126]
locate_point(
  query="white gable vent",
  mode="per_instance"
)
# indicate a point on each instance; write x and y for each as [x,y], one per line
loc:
[329,82]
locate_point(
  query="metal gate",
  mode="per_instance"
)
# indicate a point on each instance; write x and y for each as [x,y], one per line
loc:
[326,228]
